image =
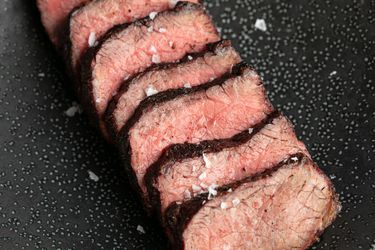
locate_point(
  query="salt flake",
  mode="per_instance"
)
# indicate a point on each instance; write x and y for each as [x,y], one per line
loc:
[251,130]
[260,24]
[153,49]
[187,86]
[202,176]
[155,59]
[70,112]
[162,30]
[93,176]
[151,90]
[141,229]
[206,161]
[236,202]
[223,205]
[92,39]
[153,15]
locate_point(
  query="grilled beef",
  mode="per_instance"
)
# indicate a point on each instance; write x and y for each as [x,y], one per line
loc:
[285,208]
[94,19]
[54,15]
[216,110]
[127,50]
[193,70]
[187,170]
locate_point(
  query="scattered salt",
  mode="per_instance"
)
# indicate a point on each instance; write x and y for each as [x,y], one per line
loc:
[236,202]
[196,188]
[206,161]
[190,57]
[332,176]
[93,176]
[162,30]
[187,194]
[260,24]
[294,159]
[70,112]
[172,3]
[230,190]
[251,130]
[151,90]
[153,15]
[141,229]
[155,59]
[171,44]
[333,73]
[153,49]
[92,39]
[202,176]
[98,100]
[223,205]
[150,29]
[187,86]
[212,191]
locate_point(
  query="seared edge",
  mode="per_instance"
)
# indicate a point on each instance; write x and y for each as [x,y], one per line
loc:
[110,119]
[162,97]
[86,88]
[180,152]
[178,216]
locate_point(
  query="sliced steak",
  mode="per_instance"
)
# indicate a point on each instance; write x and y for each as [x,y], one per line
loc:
[285,208]
[193,70]
[93,20]
[216,110]
[54,15]
[127,50]
[187,170]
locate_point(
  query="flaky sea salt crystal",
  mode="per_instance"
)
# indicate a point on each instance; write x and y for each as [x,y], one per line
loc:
[251,130]
[260,24]
[223,205]
[187,86]
[202,176]
[155,59]
[92,39]
[93,176]
[141,229]
[153,49]
[236,202]
[153,15]
[151,90]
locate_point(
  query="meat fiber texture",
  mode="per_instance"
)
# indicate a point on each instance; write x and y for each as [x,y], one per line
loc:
[194,70]
[93,20]
[131,49]
[284,209]
[217,163]
[207,112]
[54,15]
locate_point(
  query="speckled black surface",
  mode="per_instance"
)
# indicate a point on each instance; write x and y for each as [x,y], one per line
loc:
[318,62]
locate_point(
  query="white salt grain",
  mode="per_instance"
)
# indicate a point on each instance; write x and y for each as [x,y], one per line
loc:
[187,194]
[171,44]
[155,59]
[150,29]
[223,205]
[251,130]
[187,86]
[196,188]
[212,191]
[202,176]
[153,49]
[141,229]
[153,15]
[162,30]
[236,202]
[333,73]
[294,159]
[172,3]
[93,176]
[190,58]
[70,112]
[92,39]
[206,161]
[98,100]
[260,24]
[151,90]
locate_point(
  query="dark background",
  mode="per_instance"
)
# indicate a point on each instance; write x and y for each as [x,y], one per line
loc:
[318,62]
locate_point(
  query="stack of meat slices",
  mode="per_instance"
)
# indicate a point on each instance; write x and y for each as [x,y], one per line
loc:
[202,144]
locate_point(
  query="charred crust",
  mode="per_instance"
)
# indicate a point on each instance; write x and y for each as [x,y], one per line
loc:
[85,91]
[178,216]
[148,103]
[110,119]
[178,152]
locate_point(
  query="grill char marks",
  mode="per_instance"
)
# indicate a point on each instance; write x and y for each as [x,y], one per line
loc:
[191,71]
[206,112]
[186,170]
[293,200]
[130,49]
[54,14]
[93,20]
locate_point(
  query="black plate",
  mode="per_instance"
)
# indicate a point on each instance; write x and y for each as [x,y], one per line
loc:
[317,59]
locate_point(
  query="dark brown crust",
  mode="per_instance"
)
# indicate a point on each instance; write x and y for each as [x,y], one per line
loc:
[148,103]
[86,93]
[110,119]
[178,216]
[180,152]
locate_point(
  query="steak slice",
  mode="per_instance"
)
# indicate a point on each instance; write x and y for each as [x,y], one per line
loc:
[216,110]
[93,20]
[187,170]
[193,70]
[286,207]
[130,49]
[54,15]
